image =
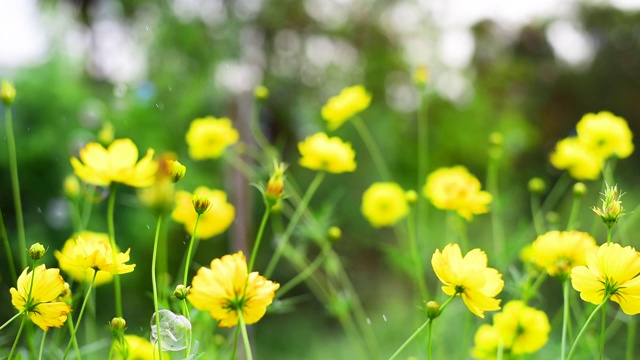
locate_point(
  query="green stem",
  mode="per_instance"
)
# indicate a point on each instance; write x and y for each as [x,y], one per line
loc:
[609,228]
[373,149]
[44,335]
[72,330]
[536,213]
[236,336]
[185,311]
[529,291]
[410,339]
[15,342]
[584,327]
[429,331]
[190,251]
[602,331]
[256,244]
[84,304]
[11,320]
[497,225]
[575,207]
[7,249]
[423,162]
[15,187]
[155,285]
[302,207]
[114,251]
[631,337]
[417,263]
[245,337]
[302,276]
[87,206]
[565,317]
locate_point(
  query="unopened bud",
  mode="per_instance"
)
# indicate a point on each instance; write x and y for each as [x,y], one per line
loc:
[36,251]
[201,204]
[411,196]
[106,134]
[7,93]
[181,292]
[611,209]
[176,170]
[421,75]
[334,233]
[274,191]
[433,309]
[579,189]
[261,92]
[71,187]
[537,186]
[118,326]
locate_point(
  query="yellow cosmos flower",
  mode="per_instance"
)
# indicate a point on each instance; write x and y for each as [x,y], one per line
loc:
[384,204]
[573,155]
[89,252]
[137,348]
[611,272]
[118,163]
[213,222]
[43,306]
[345,105]
[225,288]
[456,189]
[319,152]
[560,251]
[606,134]
[469,277]
[519,329]
[209,137]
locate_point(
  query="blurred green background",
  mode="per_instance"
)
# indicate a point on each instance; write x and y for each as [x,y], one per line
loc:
[150,68]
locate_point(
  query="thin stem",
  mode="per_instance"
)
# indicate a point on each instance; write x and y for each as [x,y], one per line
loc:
[373,149]
[185,311]
[631,337]
[112,240]
[7,249]
[602,331]
[536,213]
[584,327]
[575,207]
[155,285]
[302,207]
[423,161]
[87,206]
[15,187]
[72,330]
[302,276]
[236,336]
[11,320]
[417,263]
[565,317]
[190,251]
[84,304]
[256,244]
[44,335]
[609,228]
[245,337]
[497,225]
[410,339]
[429,331]
[15,342]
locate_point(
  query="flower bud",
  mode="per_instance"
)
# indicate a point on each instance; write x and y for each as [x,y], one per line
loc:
[411,196]
[176,170]
[201,204]
[106,134]
[181,292]
[537,186]
[334,233]
[71,187]
[274,191]
[421,76]
[579,189]
[7,93]
[118,325]
[261,92]
[611,209]
[433,309]
[36,251]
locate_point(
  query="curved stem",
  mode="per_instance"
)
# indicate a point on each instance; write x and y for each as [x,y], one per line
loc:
[15,187]
[245,337]
[256,244]
[373,149]
[84,304]
[112,240]
[190,251]
[565,317]
[584,327]
[302,207]
[155,285]
[15,342]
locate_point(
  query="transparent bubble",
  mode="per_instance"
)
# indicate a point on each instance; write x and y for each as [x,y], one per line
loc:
[174,330]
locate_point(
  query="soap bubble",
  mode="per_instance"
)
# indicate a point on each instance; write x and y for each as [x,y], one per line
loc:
[174,330]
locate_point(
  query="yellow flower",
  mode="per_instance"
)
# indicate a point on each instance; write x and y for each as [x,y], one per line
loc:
[42,307]
[88,252]
[611,272]
[345,105]
[560,251]
[384,204]
[456,189]
[606,134]
[213,222]
[469,277]
[575,156]
[7,92]
[225,288]
[319,152]
[137,348]
[519,329]
[208,137]
[117,163]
